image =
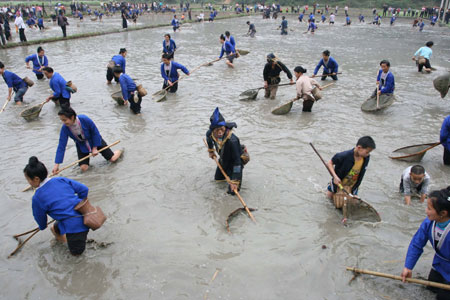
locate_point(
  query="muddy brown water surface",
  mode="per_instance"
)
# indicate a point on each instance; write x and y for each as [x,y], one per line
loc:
[165,232]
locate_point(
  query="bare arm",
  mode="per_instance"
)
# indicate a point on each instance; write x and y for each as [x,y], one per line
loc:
[407,200]
[423,197]
[336,179]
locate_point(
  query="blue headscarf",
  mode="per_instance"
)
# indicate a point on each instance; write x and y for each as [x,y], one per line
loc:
[216,120]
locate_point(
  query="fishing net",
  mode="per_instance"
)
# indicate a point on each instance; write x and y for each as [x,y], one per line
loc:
[361,211]
[249,94]
[370,104]
[159,95]
[442,84]
[411,153]
[283,109]
[243,52]
[234,214]
[32,113]
[117,96]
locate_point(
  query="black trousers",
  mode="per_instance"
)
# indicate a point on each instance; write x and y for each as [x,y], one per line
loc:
[63,28]
[75,241]
[2,36]
[63,102]
[229,172]
[427,65]
[440,293]
[107,153]
[110,75]
[22,36]
[135,107]
[308,102]
[124,23]
[332,76]
[172,89]
[8,35]
[446,157]
[172,54]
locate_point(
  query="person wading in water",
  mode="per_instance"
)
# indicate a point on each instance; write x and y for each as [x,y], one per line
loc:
[83,131]
[330,66]
[116,60]
[58,197]
[231,154]
[228,49]
[39,60]
[348,169]
[169,71]
[271,75]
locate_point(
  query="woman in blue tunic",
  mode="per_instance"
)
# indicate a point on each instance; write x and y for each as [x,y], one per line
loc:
[86,136]
[435,229]
[39,60]
[57,197]
[169,46]
[228,49]
[169,72]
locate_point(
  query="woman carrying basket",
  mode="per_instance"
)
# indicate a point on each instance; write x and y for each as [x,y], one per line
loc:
[58,197]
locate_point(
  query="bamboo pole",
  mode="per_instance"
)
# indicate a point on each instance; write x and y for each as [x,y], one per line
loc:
[395,277]
[235,190]
[378,98]
[32,230]
[75,162]
[4,106]
[162,93]
[21,244]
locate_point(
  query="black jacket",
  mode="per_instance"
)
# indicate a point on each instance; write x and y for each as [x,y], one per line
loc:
[274,72]
[343,163]
[230,153]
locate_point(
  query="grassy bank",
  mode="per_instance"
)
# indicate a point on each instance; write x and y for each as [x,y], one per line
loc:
[93,34]
[341,3]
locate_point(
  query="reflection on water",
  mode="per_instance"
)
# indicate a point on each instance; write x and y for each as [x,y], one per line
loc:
[166,215]
[74,276]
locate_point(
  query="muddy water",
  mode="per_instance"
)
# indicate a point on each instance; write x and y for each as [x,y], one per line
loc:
[166,214]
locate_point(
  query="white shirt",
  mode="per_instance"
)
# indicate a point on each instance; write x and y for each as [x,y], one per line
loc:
[303,85]
[19,23]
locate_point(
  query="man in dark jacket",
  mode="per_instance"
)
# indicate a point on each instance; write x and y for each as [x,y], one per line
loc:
[348,169]
[227,145]
[271,74]
[62,22]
